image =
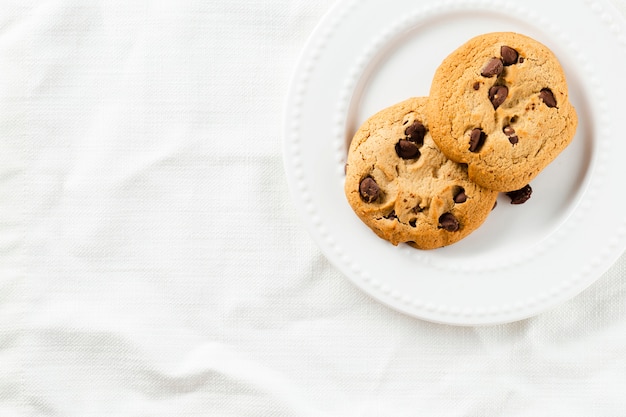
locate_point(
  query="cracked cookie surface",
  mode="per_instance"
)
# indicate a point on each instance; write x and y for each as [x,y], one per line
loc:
[500,104]
[404,188]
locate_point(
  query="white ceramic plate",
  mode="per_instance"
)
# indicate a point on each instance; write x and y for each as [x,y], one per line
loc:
[367,55]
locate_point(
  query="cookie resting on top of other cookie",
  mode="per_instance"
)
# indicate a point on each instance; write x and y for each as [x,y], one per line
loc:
[499,103]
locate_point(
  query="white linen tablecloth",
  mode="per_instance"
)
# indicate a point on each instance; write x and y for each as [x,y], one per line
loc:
[152,263]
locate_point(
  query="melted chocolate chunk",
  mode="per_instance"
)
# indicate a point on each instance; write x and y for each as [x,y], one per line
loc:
[459,196]
[448,222]
[510,133]
[477,139]
[369,190]
[548,97]
[416,132]
[407,149]
[520,196]
[497,95]
[392,215]
[509,55]
[493,67]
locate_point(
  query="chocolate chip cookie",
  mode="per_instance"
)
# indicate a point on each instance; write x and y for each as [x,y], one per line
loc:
[404,188]
[499,103]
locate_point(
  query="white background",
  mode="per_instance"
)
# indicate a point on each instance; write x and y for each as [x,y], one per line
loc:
[152,262]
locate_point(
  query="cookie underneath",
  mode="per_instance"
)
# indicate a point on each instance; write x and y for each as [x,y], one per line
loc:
[404,188]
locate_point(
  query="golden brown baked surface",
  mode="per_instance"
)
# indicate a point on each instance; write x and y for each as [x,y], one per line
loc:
[499,103]
[404,188]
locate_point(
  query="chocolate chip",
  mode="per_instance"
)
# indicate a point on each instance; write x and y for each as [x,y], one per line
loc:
[448,222]
[369,190]
[476,85]
[520,196]
[493,67]
[509,55]
[459,196]
[413,222]
[477,138]
[521,59]
[497,95]
[510,133]
[392,215]
[407,149]
[415,133]
[547,97]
